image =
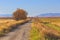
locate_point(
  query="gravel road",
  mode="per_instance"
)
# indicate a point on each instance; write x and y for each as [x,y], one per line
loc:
[21,33]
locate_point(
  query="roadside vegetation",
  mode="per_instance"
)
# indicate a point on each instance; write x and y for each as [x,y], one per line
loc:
[43,29]
[5,25]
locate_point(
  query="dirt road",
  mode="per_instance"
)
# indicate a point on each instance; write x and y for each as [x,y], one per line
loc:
[21,33]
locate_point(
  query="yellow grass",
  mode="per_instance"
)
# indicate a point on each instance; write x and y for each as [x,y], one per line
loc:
[56,23]
[40,31]
[7,23]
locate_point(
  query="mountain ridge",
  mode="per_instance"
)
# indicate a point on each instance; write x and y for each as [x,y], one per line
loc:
[49,15]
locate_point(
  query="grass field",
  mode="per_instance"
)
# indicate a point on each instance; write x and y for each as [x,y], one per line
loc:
[45,29]
[7,24]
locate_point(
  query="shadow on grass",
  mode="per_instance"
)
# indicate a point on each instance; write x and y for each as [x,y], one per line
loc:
[51,37]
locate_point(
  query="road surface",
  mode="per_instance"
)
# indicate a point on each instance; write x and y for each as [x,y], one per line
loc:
[22,33]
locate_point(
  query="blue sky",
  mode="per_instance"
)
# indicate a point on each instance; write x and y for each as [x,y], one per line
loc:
[33,7]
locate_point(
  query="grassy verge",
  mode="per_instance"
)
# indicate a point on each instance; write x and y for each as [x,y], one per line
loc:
[35,34]
[38,32]
[9,25]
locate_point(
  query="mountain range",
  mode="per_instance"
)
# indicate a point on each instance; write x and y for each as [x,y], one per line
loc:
[49,15]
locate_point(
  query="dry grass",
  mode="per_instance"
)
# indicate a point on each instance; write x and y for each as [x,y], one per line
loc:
[56,23]
[7,24]
[45,29]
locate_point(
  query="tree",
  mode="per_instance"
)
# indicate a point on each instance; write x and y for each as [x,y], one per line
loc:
[19,14]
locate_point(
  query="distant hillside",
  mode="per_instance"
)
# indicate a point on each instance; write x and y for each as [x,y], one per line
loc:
[5,15]
[49,15]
